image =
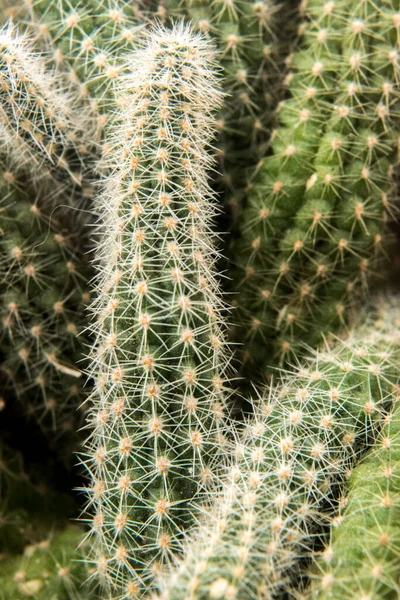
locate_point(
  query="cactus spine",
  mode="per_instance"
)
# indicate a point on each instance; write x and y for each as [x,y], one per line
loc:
[160,360]
[312,231]
[363,555]
[292,458]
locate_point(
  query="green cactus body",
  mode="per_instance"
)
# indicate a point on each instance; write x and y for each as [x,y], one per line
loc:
[161,358]
[363,556]
[43,129]
[89,38]
[49,569]
[311,233]
[292,459]
[43,273]
[253,39]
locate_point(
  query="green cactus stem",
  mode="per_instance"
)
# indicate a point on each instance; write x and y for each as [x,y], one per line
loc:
[362,558]
[161,357]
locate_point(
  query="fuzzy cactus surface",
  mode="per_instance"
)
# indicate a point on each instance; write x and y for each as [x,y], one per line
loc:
[363,555]
[43,278]
[44,129]
[87,39]
[314,226]
[292,458]
[161,359]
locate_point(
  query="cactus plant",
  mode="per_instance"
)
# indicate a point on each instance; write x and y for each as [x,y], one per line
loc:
[43,129]
[363,555]
[43,274]
[51,568]
[291,462]
[161,359]
[313,229]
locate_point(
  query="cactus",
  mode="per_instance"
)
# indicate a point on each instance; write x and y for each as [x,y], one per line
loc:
[44,131]
[313,230]
[291,462]
[49,569]
[363,556]
[89,40]
[161,359]
[253,39]
[43,274]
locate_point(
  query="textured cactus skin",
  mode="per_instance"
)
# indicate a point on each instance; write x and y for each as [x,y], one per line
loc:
[43,274]
[253,39]
[291,461]
[312,231]
[44,130]
[362,558]
[161,359]
[90,39]
[49,569]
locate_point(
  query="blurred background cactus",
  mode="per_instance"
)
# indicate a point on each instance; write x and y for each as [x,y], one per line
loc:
[198,199]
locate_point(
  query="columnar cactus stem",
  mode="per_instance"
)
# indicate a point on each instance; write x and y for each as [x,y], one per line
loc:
[160,360]
[43,128]
[313,228]
[292,457]
[363,556]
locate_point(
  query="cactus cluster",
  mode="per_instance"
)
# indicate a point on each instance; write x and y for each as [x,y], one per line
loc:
[314,226]
[44,130]
[135,138]
[290,462]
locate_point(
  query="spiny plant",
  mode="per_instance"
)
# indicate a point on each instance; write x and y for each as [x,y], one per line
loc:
[89,40]
[292,458]
[43,277]
[160,360]
[253,40]
[44,130]
[361,560]
[314,225]
[49,569]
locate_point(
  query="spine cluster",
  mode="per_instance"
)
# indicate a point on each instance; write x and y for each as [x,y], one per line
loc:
[160,360]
